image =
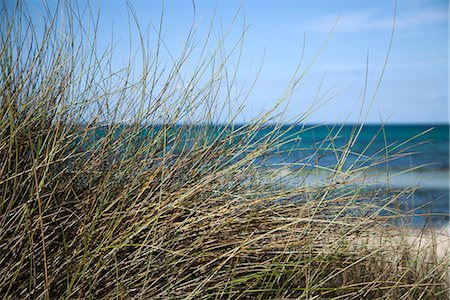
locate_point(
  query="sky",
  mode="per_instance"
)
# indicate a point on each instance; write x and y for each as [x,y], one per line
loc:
[351,72]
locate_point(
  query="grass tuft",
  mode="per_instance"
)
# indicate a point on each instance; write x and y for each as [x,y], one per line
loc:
[119,184]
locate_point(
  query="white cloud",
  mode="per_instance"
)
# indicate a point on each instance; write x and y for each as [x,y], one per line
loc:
[365,20]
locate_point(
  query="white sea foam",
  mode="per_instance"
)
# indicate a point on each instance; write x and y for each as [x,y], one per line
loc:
[424,179]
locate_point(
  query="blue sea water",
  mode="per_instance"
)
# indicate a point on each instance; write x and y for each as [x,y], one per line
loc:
[398,156]
[405,155]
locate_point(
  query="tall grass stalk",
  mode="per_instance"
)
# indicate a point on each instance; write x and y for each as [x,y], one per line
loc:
[121,184]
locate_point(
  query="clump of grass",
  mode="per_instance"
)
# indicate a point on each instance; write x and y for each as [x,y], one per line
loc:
[114,186]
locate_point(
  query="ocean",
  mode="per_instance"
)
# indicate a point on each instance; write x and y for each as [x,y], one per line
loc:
[397,156]
[393,157]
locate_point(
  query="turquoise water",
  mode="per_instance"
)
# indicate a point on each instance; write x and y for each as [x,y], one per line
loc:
[399,156]
[394,156]
[426,146]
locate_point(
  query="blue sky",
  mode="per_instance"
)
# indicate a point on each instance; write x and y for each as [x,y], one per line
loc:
[414,88]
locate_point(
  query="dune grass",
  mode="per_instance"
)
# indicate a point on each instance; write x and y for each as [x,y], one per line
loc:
[122,184]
